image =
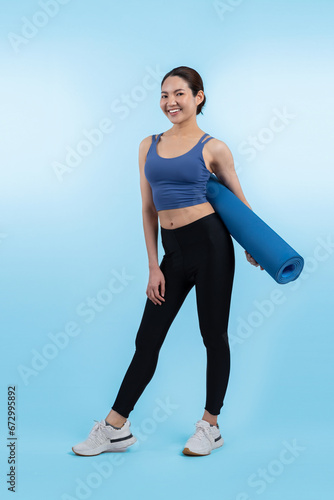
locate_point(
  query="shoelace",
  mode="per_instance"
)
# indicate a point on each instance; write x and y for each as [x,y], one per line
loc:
[202,430]
[97,434]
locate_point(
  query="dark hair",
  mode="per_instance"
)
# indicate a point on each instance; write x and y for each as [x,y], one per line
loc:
[193,79]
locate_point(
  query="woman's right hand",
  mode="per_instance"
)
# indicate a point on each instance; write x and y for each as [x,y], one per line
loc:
[156,280]
[252,260]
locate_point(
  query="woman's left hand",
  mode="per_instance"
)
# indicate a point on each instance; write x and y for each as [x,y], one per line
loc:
[252,261]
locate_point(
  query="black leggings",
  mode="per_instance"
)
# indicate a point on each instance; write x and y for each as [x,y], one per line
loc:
[202,254]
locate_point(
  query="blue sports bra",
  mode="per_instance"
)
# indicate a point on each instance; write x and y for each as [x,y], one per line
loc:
[177,182]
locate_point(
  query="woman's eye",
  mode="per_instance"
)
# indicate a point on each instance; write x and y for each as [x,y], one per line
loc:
[179,93]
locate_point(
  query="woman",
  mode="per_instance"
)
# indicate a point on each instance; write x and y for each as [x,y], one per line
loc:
[174,169]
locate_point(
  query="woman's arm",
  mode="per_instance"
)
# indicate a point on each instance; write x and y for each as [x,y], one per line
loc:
[222,165]
[149,213]
[150,224]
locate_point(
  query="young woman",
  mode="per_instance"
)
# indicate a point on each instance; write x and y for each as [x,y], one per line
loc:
[174,169]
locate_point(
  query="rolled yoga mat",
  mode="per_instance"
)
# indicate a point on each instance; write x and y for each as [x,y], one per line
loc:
[276,257]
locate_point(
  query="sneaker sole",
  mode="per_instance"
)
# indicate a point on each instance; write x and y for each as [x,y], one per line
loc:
[190,453]
[106,449]
[186,451]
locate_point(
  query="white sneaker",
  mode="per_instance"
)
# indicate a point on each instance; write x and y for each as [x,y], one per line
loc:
[206,438]
[105,438]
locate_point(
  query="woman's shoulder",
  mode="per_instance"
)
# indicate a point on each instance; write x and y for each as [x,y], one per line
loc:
[218,152]
[218,146]
[147,141]
[145,145]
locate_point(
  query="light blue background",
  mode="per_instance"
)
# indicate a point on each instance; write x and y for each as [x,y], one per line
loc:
[62,238]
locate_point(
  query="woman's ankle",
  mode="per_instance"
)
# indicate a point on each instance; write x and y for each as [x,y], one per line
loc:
[212,419]
[115,419]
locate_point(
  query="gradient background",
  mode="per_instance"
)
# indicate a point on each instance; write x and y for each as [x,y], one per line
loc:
[63,236]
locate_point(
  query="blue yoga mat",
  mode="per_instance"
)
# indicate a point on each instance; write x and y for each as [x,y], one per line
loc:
[276,257]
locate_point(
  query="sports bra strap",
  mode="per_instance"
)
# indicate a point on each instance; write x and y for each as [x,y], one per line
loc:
[207,139]
[156,137]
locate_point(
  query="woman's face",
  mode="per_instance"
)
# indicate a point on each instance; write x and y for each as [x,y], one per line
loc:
[176,95]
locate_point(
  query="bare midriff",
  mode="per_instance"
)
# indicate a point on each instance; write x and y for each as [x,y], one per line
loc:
[177,217]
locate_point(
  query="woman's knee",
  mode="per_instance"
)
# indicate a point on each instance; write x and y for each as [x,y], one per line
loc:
[216,342]
[148,344]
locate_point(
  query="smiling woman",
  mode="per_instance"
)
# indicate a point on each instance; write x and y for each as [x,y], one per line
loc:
[194,83]
[174,170]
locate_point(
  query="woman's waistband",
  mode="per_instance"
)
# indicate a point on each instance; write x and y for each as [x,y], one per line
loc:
[191,225]
[191,233]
